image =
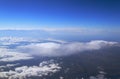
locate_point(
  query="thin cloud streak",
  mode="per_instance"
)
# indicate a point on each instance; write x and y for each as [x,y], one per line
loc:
[69,30]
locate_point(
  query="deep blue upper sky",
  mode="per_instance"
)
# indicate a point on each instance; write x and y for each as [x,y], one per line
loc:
[59,13]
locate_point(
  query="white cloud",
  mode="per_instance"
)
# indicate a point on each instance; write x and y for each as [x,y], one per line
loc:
[53,48]
[14,40]
[45,68]
[62,49]
[7,55]
[7,66]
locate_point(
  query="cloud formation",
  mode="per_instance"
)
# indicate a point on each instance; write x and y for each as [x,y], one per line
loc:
[49,48]
[7,55]
[9,65]
[45,68]
[15,40]
[62,49]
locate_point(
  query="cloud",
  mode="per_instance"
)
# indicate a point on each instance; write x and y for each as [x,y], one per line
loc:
[45,68]
[62,49]
[14,40]
[51,48]
[7,55]
[68,30]
[8,66]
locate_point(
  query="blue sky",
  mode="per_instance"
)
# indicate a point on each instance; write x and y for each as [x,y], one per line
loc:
[60,13]
[87,14]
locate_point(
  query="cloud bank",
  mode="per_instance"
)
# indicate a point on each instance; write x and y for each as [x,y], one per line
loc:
[49,48]
[62,49]
[45,68]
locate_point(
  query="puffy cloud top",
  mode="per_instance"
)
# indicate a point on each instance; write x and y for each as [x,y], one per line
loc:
[45,68]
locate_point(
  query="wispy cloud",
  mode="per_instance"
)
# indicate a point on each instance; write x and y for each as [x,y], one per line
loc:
[7,55]
[4,41]
[69,30]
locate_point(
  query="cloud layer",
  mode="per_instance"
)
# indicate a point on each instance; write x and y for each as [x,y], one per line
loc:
[48,48]
[62,49]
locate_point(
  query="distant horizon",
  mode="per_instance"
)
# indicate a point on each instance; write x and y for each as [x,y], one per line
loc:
[61,19]
[59,39]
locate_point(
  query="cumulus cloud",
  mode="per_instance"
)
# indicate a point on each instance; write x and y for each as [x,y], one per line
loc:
[62,49]
[45,68]
[2,67]
[7,55]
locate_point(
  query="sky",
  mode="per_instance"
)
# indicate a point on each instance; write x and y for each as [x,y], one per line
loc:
[99,18]
[53,28]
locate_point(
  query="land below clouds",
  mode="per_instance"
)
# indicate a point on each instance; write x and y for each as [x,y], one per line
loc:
[83,64]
